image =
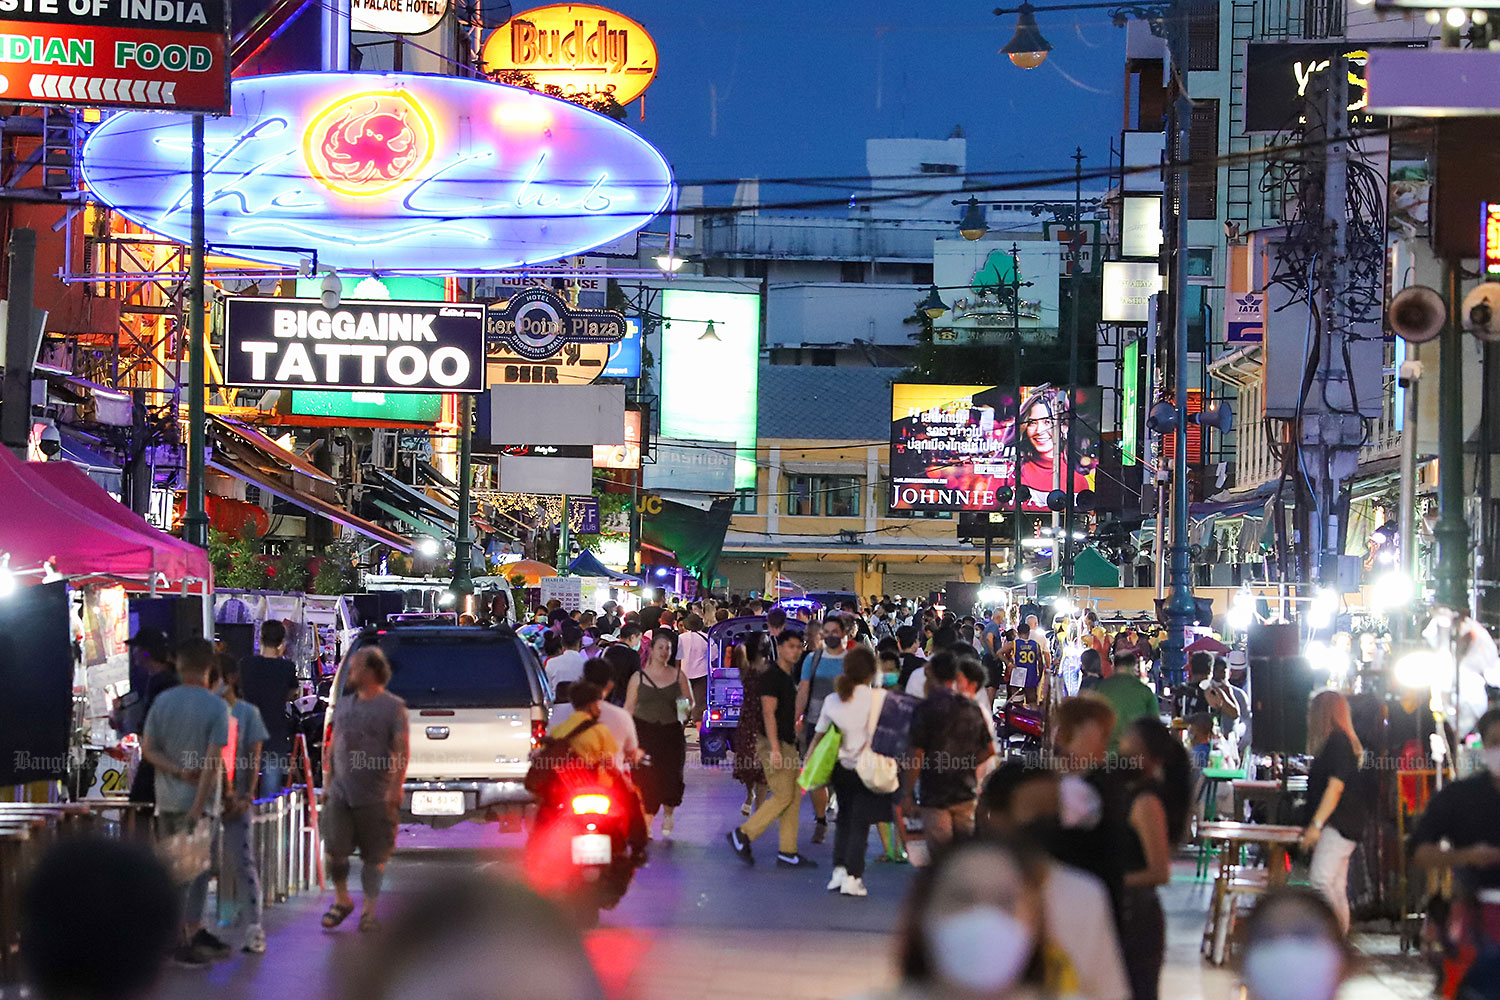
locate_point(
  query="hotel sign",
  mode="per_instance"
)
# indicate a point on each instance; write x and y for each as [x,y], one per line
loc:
[368,346]
[161,54]
[578,49]
[396,17]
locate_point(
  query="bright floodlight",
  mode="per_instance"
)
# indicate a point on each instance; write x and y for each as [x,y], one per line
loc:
[1421,668]
[1063,606]
[1457,16]
[7,578]
[989,595]
[1324,606]
[669,263]
[1241,612]
[1390,590]
[1027,575]
[428,546]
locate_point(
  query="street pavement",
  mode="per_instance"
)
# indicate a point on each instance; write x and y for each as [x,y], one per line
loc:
[698,924]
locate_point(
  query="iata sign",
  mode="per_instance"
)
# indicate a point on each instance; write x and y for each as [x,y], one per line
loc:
[576,48]
[395,173]
[115,53]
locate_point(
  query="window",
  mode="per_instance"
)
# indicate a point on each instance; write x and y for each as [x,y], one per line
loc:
[921,274]
[940,168]
[1203,153]
[745,501]
[823,496]
[853,271]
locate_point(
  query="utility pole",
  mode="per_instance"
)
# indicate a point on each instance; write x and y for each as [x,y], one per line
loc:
[195,519]
[20,342]
[1409,376]
[1070,449]
[1452,531]
[463,562]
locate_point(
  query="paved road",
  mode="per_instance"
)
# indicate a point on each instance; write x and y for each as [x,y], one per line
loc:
[697,924]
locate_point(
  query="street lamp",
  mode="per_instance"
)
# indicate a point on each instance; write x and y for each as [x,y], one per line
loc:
[933,305]
[972,226]
[669,263]
[1027,48]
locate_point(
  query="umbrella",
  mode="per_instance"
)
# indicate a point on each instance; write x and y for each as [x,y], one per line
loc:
[531,569]
[1207,644]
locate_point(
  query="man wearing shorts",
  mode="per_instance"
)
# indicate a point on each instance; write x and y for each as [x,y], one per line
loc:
[362,783]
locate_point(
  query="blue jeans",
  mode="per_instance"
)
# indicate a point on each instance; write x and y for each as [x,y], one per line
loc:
[274,767]
[242,877]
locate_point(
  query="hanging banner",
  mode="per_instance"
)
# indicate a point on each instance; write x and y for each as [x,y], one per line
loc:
[162,54]
[384,346]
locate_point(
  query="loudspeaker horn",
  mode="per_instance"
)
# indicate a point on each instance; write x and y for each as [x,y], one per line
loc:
[1417,314]
[1216,416]
[1162,419]
[1057,500]
[1482,312]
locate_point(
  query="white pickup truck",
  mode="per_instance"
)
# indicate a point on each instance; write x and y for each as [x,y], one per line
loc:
[477,703]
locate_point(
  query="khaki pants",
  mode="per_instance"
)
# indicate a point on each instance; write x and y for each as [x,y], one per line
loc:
[781,808]
[940,826]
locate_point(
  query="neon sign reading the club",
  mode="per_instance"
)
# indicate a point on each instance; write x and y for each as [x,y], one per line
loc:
[388,172]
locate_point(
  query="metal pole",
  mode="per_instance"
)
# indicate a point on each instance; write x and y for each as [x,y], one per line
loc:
[1015,341]
[1180,609]
[1452,532]
[20,343]
[1073,422]
[1410,375]
[1058,519]
[195,520]
[563,540]
[463,582]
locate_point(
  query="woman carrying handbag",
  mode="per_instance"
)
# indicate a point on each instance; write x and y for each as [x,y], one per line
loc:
[854,708]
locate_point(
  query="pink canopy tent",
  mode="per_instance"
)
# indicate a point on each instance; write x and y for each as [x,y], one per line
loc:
[55,512]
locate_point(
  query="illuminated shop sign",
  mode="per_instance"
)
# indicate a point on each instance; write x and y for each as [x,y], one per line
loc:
[383,346]
[396,173]
[576,48]
[115,53]
[1489,240]
[536,322]
[396,17]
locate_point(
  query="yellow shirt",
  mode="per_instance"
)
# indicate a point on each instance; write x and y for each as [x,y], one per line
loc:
[596,746]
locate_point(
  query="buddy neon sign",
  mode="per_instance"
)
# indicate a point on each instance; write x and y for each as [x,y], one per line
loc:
[388,172]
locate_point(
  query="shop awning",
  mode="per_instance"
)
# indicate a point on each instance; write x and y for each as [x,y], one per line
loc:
[53,512]
[247,454]
[588,564]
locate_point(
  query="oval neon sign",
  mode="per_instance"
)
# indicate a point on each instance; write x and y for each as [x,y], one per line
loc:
[388,172]
[577,48]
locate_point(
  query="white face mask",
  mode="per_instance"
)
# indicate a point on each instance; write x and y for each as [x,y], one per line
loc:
[1269,967]
[1491,758]
[983,948]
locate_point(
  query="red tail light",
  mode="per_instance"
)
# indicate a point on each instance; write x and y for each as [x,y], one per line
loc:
[538,732]
[592,804]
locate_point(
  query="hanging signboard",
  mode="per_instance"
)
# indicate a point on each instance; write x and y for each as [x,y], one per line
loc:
[575,48]
[1244,318]
[625,356]
[1489,240]
[396,17]
[382,346]
[385,172]
[575,364]
[980,284]
[1128,287]
[125,54]
[565,590]
[1078,242]
[536,323]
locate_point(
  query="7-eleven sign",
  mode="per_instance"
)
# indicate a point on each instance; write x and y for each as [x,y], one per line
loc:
[1078,246]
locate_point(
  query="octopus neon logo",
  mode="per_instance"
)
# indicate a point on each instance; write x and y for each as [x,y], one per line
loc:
[367,144]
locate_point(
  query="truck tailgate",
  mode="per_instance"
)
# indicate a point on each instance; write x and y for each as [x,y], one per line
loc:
[467,743]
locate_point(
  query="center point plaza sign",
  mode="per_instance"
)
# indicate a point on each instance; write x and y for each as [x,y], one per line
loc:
[369,346]
[398,173]
[166,54]
[536,322]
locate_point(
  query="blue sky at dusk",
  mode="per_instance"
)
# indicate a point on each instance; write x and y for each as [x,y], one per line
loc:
[781,88]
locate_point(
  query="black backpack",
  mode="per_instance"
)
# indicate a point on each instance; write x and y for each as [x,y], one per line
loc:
[555,755]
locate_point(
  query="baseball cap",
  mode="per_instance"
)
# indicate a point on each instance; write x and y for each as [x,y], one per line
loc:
[152,640]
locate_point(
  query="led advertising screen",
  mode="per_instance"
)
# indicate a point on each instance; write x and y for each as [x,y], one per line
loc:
[954,447]
[710,349]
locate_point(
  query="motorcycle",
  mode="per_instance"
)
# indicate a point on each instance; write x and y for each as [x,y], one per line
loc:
[579,851]
[1019,726]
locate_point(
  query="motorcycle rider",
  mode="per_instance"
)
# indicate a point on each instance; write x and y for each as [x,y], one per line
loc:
[597,748]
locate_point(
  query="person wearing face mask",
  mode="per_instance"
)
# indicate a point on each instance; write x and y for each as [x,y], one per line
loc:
[1461,830]
[1294,947]
[1094,802]
[625,658]
[821,668]
[973,926]
[1022,799]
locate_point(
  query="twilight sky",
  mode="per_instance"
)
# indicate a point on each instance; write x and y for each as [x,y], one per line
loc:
[784,88]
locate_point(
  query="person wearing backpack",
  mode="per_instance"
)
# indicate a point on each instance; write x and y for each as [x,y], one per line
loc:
[821,668]
[854,707]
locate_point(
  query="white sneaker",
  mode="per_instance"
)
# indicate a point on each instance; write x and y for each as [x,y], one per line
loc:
[667,824]
[837,881]
[853,887]
[255,940]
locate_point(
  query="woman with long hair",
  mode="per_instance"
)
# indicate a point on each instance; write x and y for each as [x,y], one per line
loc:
[1160,795]
[749,659]
[1338,812]
[851,707]
[1039,445]
[652,700]
[972,926]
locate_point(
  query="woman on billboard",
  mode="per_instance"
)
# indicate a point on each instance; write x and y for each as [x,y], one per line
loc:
[1042,444]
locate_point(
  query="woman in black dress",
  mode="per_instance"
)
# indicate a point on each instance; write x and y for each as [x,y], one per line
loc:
[654,698]
[750,657]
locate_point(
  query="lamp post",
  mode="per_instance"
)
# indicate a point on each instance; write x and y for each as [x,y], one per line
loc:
[1168,21]
[463,582]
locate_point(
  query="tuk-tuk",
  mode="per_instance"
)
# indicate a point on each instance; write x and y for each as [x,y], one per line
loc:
[721,712]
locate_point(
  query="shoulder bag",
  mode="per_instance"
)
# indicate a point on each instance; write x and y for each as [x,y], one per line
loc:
[878,772]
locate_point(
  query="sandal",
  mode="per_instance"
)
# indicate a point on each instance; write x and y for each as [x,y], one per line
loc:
[337,914]
[368,923]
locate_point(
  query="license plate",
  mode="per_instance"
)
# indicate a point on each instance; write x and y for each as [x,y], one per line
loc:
[592,849]
[437,803]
